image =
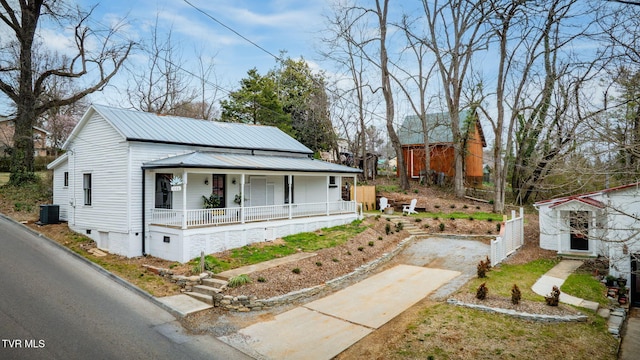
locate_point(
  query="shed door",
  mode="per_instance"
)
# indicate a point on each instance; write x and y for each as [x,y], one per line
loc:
[579,223]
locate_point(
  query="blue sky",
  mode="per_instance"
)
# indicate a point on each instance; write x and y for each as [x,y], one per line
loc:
[274,25]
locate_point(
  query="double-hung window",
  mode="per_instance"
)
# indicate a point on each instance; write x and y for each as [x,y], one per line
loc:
[86,185]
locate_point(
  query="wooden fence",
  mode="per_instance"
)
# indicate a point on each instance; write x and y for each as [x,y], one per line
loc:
[365,195]
[511,238]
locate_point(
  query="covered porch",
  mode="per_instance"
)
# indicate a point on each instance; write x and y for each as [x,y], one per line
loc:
[192,206]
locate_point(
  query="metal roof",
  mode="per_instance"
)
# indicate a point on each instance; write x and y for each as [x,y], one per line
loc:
[149,127]
[439,125]
[213,160]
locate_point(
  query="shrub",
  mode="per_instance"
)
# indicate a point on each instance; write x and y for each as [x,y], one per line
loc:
[482,269]
[388,219]
[436,206]
[239,280]
[471,218]
[498,227]
[441,226]
[379,237]
[371,243]
[490,219]
[415,191]
[296,271]
[377,217]
[387,229]
[482,291]
[335,260]
[554,298]
[465,206]
[418,220]
[453,206]
[318,263]
[360,248]
[516,295]
[452,218]
[262,280]
[348,252]
[399,226]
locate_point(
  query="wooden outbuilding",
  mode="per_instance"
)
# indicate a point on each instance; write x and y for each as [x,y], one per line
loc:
[440,137]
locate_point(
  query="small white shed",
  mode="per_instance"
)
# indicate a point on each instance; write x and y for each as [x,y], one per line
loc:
[602,223]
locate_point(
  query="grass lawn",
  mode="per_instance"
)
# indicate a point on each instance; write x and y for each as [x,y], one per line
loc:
[449,332]
[307,242]
[500,279]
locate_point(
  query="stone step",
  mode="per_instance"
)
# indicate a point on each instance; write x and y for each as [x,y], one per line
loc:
[204,289]
[202,297]
[215,282]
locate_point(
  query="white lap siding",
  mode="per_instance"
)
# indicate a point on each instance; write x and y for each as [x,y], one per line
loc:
[100,151]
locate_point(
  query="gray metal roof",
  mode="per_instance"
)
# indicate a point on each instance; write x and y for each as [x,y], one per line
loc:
[411,133]
[142,126]
[213,160]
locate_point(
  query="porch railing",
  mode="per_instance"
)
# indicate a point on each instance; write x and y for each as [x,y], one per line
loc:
[237,215]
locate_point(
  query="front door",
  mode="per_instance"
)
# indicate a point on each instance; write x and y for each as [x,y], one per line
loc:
[635,280]
[164,196]
[217,188]
[579,224]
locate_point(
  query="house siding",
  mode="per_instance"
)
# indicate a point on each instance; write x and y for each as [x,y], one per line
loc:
[101,152]
[61,192]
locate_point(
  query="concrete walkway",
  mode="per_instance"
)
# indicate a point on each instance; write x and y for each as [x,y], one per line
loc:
[630,346]
[556,277]
[324,328]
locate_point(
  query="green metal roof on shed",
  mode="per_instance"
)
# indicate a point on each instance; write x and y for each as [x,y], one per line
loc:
[410,133]
[150,127]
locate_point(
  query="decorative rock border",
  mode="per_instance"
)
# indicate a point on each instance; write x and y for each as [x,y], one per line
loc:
[522,315]
[185,282]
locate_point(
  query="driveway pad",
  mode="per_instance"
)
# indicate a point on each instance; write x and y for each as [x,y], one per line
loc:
[379,298]
[302,334]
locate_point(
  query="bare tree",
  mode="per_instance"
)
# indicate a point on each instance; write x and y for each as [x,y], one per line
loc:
[366,46]
[24,86]
[456,32]
[161,86]
[416,85]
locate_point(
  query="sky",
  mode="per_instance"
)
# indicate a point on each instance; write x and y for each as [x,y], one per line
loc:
[294,26]
[273,25]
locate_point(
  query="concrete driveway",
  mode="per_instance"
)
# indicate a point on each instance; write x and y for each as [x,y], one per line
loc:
[324,328]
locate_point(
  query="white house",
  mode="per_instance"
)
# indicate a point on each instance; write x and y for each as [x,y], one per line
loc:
[134,182]
[603,223]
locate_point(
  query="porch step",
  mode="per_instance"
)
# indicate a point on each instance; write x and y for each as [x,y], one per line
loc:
[215,282]
[202,297]
[206,290]
[575,256]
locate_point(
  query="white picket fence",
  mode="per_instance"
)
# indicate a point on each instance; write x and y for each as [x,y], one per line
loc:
[511,238]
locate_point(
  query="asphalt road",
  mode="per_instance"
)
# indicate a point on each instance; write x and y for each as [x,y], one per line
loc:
[54,306]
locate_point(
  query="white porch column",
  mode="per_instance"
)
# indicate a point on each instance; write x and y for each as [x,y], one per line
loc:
[290,198]
[355,193]
[184,199]
[242,195]
[327,197]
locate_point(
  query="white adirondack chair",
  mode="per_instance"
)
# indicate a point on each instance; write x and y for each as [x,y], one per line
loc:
[411,208]
[384,203]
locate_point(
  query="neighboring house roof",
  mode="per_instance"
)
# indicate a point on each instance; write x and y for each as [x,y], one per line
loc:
[148,127]
[205,159]
[587,198]
[439,125]
[2,119]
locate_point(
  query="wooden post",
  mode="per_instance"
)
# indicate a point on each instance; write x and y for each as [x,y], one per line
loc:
[201,262]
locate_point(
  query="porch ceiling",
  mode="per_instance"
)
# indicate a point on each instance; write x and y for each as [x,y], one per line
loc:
[213,160]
